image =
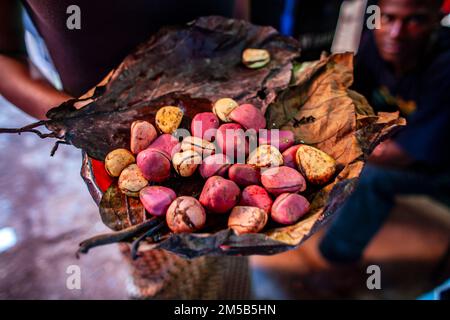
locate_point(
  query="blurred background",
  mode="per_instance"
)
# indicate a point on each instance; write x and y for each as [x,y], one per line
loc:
[46,210]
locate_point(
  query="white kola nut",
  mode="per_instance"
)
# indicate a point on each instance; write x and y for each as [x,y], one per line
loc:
[265,156]
[247,219]
[117,160]
[199,145]
[223,107]
[186,162]
[255,58]
[131,181]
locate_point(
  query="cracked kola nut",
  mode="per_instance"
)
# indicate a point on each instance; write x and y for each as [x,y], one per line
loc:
[168,119]
[204,125]
[317,166]
[244,174]
[131,181]
[223,107]
[282,179]
[280,139]
[232,141]
[288,208]
[201,146]
[248,116]
[142,134]
[156,199]
[289,156]
[154,164]
[185,214]
[167,144]
[214,165]
[117,160]
[255,58]
[245,219]
[186,162]
[219,195]
[256,196]
[265,156]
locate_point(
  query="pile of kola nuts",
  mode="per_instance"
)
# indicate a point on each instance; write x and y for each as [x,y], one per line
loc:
[250,172]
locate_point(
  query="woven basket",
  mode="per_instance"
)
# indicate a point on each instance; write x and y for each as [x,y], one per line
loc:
[159,274]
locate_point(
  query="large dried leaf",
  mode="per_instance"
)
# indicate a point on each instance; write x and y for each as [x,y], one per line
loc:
[320,109]
[190,67]
[193,66]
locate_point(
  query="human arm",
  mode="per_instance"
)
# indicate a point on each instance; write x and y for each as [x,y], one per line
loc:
[20,82]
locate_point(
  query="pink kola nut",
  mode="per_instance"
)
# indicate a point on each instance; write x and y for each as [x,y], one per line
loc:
[281,139]
[244,174]
[167,143]
[214,165]
[219,195]
[156,199]
[142,134]
[154,164]
[204,125]
[282,179]
[248,116]
[232,141]
[288,208]
[256,196]
[289,157]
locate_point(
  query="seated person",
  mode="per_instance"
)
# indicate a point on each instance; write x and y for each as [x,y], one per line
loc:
[405,66]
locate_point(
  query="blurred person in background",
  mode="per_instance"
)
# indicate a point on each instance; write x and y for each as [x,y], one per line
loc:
[402,66]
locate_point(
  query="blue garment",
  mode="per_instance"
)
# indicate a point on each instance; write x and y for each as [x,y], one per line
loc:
[422,95]
[363,214]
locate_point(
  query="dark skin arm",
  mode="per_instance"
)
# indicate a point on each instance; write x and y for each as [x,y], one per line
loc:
[390,154]
[20,82]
